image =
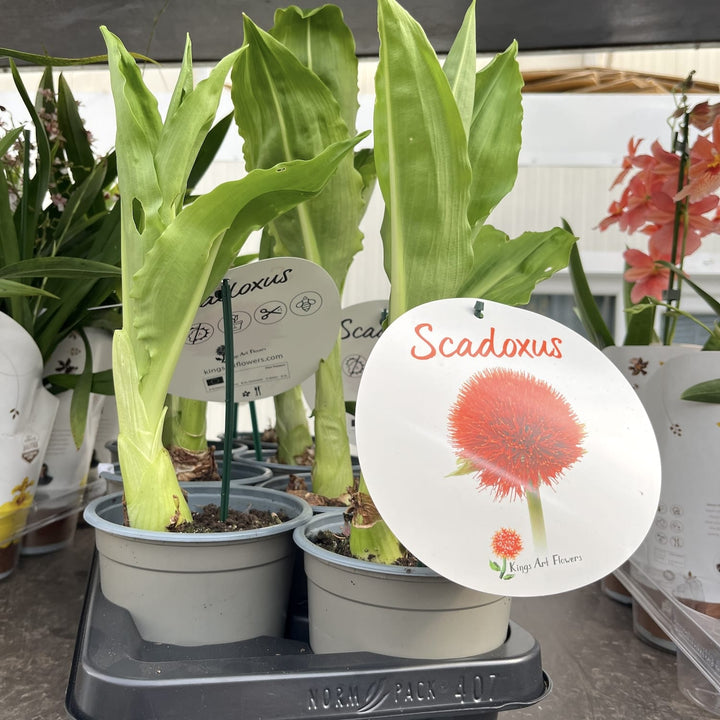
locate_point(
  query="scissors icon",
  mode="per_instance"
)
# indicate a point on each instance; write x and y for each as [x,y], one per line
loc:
[271,312]
[265,313]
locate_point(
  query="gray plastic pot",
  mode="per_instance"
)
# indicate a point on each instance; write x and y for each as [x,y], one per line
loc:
[241,473]
[354,605]
[200,589]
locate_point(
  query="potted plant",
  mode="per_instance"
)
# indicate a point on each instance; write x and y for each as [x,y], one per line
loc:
[174,255]
[446,143]
[59,252]
[294,91]
[670,196]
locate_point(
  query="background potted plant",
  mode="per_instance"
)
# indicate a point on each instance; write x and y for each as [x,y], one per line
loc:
[670,196]
[59,251]
[174,255]
[446,142]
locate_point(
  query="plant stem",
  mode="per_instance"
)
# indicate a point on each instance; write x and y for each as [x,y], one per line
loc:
[537,520]
[291,425]
[678,247]
[376,543]
[332,473]
[185,424]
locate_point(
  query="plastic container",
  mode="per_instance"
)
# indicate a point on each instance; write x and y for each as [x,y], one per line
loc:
[115,675]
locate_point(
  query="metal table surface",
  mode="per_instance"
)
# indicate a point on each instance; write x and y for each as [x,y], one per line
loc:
[599,668]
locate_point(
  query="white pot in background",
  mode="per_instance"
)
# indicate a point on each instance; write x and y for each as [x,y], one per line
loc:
[60,492]
[27,413]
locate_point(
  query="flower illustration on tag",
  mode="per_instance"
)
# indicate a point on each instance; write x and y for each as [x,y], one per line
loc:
[506,544]
[514,433]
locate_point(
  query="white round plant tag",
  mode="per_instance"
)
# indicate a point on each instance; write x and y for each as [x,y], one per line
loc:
[506,452]
[285,315]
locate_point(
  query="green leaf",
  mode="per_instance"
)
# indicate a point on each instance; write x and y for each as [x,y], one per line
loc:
[81,396]
[459,67]
[705,392]
[640,324]
[709,299]
[41,179]
[507,270]
[209,149]
[494,566]
[322,42]
[509,577]
[10,288]
[49,60]
[77,143]
[495,133]
[102,382]
[8,140]
[422,166]
[66,267]
[585,304]
[285,112]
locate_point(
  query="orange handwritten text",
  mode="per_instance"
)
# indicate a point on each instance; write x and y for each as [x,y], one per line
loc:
[432,345]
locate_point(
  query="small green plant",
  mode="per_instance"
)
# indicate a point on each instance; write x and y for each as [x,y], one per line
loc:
[174,254]
[446,141]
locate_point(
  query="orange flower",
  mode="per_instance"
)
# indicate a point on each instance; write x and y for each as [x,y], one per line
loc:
[649,277]
[704,167]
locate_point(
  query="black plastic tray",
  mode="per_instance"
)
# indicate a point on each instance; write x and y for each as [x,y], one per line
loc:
[116,675]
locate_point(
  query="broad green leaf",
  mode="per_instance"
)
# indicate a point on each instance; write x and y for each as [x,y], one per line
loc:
[585,304]
[459,67]
[184,131]
[706,392]
[322,42]
[138,130]
[422,167]
[285,112]
[495,133]
[508,270]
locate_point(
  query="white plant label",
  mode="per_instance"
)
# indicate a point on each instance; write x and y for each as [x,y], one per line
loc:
[505,451]
[285,314]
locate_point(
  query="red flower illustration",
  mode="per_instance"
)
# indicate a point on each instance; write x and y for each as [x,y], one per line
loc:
[514,431]
[506,543]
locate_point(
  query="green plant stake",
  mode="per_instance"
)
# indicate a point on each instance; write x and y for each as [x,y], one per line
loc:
[255,432]
[229,397]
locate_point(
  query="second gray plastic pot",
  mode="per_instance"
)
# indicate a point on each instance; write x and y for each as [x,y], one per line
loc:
[354,605]
[200,589]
